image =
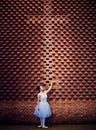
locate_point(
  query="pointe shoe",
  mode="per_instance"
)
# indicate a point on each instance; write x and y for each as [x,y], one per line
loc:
[44,127]
[39,126]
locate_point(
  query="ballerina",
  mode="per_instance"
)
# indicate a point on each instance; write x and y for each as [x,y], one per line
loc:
[43,109]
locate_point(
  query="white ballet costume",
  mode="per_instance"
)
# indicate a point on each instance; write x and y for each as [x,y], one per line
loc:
[44,108]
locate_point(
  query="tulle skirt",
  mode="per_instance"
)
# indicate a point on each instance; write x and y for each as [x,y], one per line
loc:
[44,110]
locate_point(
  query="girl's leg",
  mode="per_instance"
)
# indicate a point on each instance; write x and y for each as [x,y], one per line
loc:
[40,122]
[43,123]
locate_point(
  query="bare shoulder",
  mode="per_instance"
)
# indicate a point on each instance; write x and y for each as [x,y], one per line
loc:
[39,94]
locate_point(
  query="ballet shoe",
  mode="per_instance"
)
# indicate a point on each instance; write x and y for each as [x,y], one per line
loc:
[39,126]
[44,127]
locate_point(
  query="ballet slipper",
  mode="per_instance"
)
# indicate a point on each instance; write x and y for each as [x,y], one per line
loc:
[40,126]
[44,127]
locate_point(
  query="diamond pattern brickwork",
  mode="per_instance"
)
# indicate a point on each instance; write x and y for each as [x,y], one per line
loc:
[44,41]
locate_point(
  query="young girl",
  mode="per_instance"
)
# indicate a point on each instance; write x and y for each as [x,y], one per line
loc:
[43,109]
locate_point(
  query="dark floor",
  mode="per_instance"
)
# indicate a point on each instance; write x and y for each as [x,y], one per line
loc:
[51,127]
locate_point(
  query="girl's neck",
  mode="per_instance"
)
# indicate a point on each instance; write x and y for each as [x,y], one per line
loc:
[42,91]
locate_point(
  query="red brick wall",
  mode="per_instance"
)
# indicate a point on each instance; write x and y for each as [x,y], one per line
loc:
[43,42]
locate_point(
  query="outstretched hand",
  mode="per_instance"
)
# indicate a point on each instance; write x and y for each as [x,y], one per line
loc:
[51,83]
[49,88]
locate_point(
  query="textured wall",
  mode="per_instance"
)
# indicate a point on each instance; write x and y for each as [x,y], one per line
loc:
[44,41]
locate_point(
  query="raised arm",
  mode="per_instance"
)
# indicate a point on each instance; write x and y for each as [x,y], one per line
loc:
[49,88]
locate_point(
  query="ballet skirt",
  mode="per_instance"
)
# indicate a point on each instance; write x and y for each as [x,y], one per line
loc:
[44,107]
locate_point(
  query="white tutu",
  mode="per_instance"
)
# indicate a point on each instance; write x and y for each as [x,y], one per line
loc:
[44,107]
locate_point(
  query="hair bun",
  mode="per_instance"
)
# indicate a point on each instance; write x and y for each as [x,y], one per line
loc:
[38,88]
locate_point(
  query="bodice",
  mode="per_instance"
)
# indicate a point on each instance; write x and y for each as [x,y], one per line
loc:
[43,97]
